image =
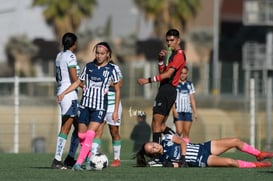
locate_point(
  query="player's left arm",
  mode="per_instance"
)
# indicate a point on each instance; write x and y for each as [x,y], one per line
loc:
[73,74]
[117,101]
[178,140]
[115,83]
[193,105]
[183,145]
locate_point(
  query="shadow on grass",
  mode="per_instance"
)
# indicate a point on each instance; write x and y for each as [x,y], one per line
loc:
[267,171]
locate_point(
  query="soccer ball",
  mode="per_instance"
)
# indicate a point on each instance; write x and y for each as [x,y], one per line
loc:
[98,161]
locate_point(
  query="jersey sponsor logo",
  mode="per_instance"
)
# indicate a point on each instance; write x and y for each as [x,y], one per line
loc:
[95,84]
[95,79]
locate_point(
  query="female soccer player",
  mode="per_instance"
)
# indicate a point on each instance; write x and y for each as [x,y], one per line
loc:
[112,125]
[184,108]
[97,75]
[67,73]
[175,152]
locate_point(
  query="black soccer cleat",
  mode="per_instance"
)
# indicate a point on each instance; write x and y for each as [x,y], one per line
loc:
[69,161]
[58,165]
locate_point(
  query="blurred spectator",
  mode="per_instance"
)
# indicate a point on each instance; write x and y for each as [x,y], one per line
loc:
[141,132]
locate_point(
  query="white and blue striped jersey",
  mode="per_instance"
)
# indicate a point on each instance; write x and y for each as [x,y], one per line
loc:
[196,154]
[183,103]
[112,93]
[171,150]
[97,80]
[192,152]
[64,61]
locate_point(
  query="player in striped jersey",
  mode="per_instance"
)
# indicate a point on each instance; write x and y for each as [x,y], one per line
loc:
[113,126]
[175,152]
[97,77]
[66,74]
[184,107]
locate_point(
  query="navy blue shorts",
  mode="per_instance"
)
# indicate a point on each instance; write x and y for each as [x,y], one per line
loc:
[183,116]
[88,115]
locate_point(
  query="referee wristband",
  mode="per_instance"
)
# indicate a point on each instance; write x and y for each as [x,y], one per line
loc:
[158,78]
[160,63]
[149,80]
[155,78]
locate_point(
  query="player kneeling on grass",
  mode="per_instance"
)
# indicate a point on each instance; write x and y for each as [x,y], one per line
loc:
[174,152]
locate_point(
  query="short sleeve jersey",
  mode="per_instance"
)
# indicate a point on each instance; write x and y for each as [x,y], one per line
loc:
[65,61]
[171,150]
[97,80]
[177,61]
[183,103]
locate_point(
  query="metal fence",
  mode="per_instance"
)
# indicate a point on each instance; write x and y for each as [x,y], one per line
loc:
[30,115]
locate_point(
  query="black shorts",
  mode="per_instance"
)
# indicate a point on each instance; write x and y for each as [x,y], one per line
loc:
[164,100]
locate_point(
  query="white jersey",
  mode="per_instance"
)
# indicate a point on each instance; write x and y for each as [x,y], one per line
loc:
[64,61]
[183,103]
[111,93]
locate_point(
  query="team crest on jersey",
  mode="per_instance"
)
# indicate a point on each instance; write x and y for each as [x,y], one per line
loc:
[106,73]
[180,51]
[169,143]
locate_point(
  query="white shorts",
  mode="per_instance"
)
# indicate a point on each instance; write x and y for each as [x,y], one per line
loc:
[108,117]
[69,107]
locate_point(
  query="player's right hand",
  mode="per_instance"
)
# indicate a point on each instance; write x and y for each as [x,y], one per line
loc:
[162,54]
[60,97]
[142,81]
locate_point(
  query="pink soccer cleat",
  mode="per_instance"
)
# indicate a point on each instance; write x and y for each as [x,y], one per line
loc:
[264,155]
[263,164]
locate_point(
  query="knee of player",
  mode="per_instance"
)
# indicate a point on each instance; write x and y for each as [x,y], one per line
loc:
[235,141]
[231,162]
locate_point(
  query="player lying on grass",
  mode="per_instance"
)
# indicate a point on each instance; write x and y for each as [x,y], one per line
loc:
[174,152]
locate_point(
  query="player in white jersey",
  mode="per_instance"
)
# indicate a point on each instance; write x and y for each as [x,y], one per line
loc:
[97,76]
[185,107]
[175,152]
[113,126]
[66,74]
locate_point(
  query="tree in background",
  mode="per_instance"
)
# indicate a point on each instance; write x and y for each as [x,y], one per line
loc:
[19,50]
[168,13]
[65,15]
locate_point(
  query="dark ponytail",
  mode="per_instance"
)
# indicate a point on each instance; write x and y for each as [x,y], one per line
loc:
[140,157]
[68,40]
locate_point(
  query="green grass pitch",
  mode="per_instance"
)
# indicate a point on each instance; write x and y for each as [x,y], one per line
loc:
[36,167]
